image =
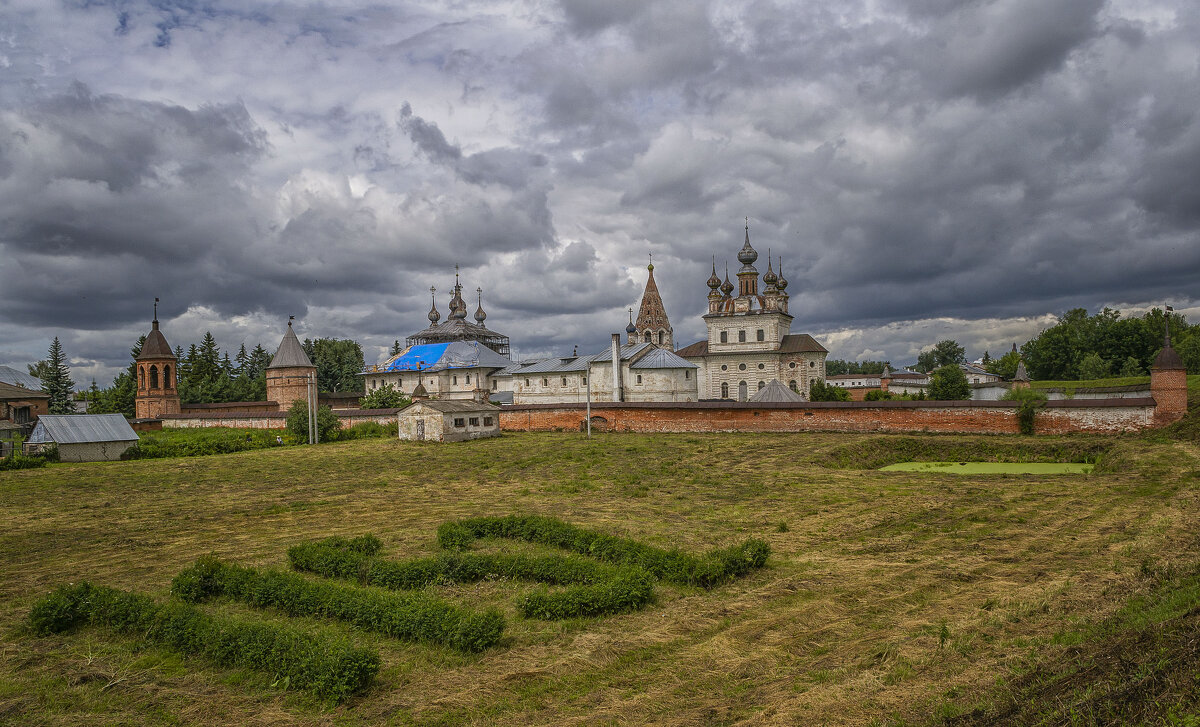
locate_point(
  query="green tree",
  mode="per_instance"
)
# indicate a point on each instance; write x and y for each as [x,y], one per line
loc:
[1131,367]
[396,347]
[328,425]
[1032,401]
[1005,366]
[385,397]
[821,391]
[339,363]
[949,383]
[1189,351]
[56,380]
[1091,366]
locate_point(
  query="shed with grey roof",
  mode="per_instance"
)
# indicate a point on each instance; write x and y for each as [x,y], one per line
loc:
[448,420]
[84,437]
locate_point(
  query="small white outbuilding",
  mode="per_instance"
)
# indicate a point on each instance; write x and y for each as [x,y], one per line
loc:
[448,420]
[84,437]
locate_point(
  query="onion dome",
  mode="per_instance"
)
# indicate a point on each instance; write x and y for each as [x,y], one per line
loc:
[434,316]
[747,255]
[631,329]
[713,281]
[727,287]
[781,284]
[770,278]
[480,316]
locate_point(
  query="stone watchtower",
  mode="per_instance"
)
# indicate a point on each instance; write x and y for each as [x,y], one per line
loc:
[1168,382]
[157,394]
[289,372]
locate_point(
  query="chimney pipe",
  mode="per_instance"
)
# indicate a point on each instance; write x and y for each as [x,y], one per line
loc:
[616,356]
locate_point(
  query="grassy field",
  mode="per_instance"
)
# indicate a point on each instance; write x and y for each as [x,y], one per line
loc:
[889,598]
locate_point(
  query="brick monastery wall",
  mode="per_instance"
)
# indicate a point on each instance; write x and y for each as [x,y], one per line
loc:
[273,420]
[999,417]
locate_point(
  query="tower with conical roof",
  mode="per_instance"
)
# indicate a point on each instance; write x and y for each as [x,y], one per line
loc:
[1168,380]
[289,372]
[652,325]
[157,392]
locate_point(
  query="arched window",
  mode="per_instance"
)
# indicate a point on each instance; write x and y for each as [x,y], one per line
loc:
[761,384]
[725,391]
[167,383]
[792,385]
[454,379]
[742,391]
[661,337]
[639,378]
[646,337]
[468,378]
[153,377]
[141,377]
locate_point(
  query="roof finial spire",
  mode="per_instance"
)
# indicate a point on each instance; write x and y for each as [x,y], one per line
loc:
[479,314]
[290,319]
[1166,327]
[156,310]
[650,267]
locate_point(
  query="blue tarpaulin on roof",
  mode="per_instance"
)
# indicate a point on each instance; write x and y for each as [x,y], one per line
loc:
[419,357]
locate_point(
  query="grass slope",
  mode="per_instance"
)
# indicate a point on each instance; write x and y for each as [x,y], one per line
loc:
[889,598]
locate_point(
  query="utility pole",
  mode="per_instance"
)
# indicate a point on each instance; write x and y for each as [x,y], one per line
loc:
[588,373]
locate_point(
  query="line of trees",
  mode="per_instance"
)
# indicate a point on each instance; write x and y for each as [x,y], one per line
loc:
[1080,346]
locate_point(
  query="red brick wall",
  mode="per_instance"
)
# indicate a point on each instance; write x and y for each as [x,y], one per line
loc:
[965,417]
[1169,389]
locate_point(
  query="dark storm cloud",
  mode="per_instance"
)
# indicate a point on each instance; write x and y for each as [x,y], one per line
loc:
[930,162]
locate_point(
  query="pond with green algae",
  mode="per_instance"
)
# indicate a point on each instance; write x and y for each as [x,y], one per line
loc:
[993,468]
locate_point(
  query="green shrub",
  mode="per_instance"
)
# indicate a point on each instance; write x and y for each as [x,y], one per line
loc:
[18,461]
[385,397]
[329,667]
[366,430]
[821,391]
[1032,401]
[199,441]
[707,571]
[949,383]
[591,593]
[629,590]
[327,423]
[879,395]
[416,616]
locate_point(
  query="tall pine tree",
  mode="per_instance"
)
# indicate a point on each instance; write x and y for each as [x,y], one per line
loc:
[56,380]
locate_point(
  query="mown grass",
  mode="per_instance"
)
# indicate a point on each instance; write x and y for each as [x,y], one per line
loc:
[888,598]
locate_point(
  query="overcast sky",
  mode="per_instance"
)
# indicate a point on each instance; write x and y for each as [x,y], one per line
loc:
[926,168]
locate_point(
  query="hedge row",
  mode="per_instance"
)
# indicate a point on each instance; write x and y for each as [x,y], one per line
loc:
[415,616]
[596,588]
[709,570]
[329,667]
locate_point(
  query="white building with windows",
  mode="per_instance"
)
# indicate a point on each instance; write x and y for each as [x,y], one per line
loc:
[749,337]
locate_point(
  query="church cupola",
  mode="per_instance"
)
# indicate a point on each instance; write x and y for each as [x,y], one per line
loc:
[747,275]
[458,307]
[480,316]
[727,287]
[434,316]
[714,289]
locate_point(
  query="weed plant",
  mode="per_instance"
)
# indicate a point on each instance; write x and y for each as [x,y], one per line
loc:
[412,616]
[329,667]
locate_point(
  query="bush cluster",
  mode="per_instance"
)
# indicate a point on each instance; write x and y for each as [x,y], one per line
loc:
[18,461]
[330,667]
[595,588]
[367,430]
[709,570]
[415,616]
[202,441]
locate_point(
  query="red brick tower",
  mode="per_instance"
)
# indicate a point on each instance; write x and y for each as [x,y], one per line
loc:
[157,394]
[289,372]
[1168,382]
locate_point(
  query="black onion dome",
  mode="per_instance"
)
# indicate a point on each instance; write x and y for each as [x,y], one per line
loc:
[747,255]
[782,282]
[713,281]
